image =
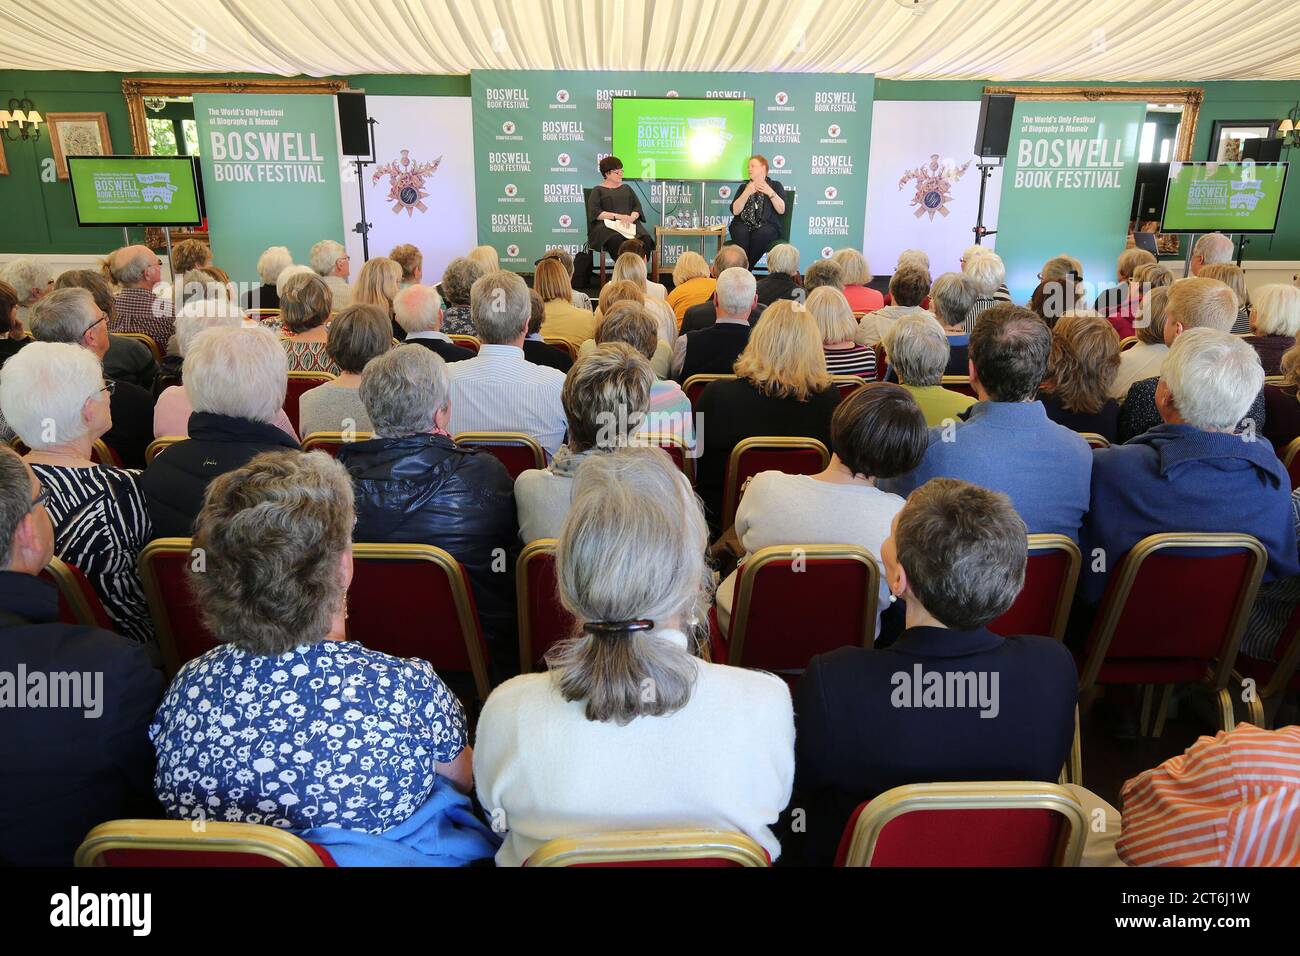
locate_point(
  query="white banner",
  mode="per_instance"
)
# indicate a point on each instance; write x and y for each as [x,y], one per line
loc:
[923,184]
[420,188]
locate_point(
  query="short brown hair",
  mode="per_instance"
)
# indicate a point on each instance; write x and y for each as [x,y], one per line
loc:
[305,302]
[629,322]
[964,549]
[409,257]
[909,285]
[538,314]
[634,246]
[879,431]
[620,291]
[824,272]
[609,164]
[93,282]
[1154,303]
[562,254]
[1131,259]
[551,280]
[357,334]
[1083,362]
[1009,348]
[190,254]
[609,385]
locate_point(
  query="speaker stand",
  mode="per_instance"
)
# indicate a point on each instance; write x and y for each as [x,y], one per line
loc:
[364,227]
[979,230]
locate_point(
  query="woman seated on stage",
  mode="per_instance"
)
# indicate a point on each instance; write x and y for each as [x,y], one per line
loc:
[613,203]
[757,208]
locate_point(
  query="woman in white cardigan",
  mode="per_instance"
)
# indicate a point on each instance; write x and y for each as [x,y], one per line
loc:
[629,729]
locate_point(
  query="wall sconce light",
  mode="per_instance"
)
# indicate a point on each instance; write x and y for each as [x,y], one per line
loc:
[1289,128]
[21,114]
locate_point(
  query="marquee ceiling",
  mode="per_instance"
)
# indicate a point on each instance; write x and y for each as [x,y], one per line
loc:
[952,39]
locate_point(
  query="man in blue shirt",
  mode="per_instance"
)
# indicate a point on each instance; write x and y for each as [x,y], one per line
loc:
[1192,473]
[1007,442]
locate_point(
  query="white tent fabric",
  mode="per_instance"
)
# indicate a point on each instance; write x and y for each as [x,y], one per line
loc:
[1006,40]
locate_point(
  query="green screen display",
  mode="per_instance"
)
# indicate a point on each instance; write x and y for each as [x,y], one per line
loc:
[134,190]
[1223,197]
[678,138]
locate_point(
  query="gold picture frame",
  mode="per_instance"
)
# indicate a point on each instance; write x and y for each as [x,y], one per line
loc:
[4,163]
[77,134]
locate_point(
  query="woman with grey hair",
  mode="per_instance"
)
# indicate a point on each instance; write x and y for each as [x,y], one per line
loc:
[55,396]
[358,334]
[987,275]
[630,729]
[332,736]
[30,279]
[952,296]
[269,266]
[457,281]
[782,279]
[918,353]
[415,485]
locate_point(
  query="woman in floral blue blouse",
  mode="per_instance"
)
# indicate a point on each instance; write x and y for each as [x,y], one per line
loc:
[289,723]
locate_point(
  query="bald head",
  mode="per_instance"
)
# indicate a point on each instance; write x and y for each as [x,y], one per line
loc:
[730,256]
[135,267]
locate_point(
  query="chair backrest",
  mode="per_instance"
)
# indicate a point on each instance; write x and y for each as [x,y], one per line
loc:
[771,627]
[675,445]
[145,340]
[695,385]
[171,843]
[791,454]
[102,454]
[695,848]
[1274,379]
[261,314]
[1127,342]
[470,342]
[980,824]
[517,451]
[78,601]
[564,345]
[158,445]
[787,217]
[543,620]
[1175,605]
[882,360]
[1043,605]
[331,442]
[1291,459]
[1094,440]
[848,384]
[182,635]
[958,383]
[300,382]
[414,600]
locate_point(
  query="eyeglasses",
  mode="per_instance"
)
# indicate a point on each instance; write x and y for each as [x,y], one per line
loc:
[42,497]
[109,386]
[103,317]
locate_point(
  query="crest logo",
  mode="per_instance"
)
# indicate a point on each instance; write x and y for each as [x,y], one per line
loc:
[561,96]
[934,182]
[511,189]
[512,250]
[778,162]
[724,192]
[566,221]
[831,192]
[508,128]
[827,252]
[563,159]
[406,182]
[782,98]
[672,93]
[833,131]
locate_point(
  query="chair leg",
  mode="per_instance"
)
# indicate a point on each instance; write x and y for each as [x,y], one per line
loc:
[1162,710]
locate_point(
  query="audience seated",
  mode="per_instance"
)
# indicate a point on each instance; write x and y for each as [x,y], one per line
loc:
[486,258]
[357,334]
[9,324]
[66,768]
[1192,473]
[1144,358]
[701,316]
[782,280]
[988,276]
[563,319]
[411,260]
[1213,248]
[835,321]
[55,397]
[30,279]
[418,310]
[331,262]
[661,353]
[856,274]
[1274,321]
[951,298]
[269,266]
[823,272]
[1235,279]
[305,308]
[714,349]
[137,269]
[1282,403]
[1122,303]
[378,283]
[918,352]
[908,287]
[632,268]
[782,388]
[692,284]
[581,299]
[606,398]
[654,289]
[584,748]
[1080,368]
[949,700]
[1006,442]
[457,281]
[916,257]
[499,390]
[126,360]
[535,348]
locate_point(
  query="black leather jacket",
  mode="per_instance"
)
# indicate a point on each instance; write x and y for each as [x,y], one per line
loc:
[425,489]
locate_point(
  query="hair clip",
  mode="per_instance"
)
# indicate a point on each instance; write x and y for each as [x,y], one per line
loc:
[613,628]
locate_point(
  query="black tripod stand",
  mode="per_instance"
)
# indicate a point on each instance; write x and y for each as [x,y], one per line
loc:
[979,230]
[364,227]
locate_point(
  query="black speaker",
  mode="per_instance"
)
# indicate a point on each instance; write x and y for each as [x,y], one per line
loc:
[353,130]
[1262,150]
[994,130]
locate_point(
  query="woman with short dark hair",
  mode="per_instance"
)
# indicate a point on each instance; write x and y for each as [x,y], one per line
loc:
[1080,369]
[613,201]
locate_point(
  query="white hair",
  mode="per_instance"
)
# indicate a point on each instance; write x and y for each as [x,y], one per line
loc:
[1213,248]
[986,271]
[28,278]
[500,307]
[416,308]
[325,255]
[287,273]
[736,291]
[915,257]
[403,389]
[202,314]
[43,389]
[272,262]
[1277,309]
[783,257]
[241,372]
[1213,378]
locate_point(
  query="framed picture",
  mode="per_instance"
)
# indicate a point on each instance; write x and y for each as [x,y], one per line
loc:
[1228,136]
[77,134]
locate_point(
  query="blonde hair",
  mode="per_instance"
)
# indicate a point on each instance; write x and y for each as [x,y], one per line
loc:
[1154,304]
[190,254]
[606,396]
[377,283]
[690,265]
[1083,362]
[784,357]
[1202,302]
[1153,275]
[616,292]
[630,268]
[1131,259]
[551,280]
[830,310]
[1291,366]
[1230,275]
[1277,309]
[854,266]
[486,257]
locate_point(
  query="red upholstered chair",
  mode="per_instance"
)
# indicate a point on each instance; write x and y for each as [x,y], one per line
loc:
[1273,679]
[1127,342]
[980,824]
[101,454]
[517,451]
[466,342]
[882,361]
[542,618]
[958,383]
[772,626]
[300,382]
[78,601]
[182,635]
[694,848]
[695,385]
[1291,458]
[1094,440]
[792,455]
[848,384]
[1174,612]
[414,600]
[171,843]
[1043,605]
[263,315]
[564,345]
[331,442]
[675,445]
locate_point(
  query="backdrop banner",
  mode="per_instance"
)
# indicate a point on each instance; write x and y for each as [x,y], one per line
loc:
[539,135]
[1068,187]
[420,188]
[270,175]
[923,185]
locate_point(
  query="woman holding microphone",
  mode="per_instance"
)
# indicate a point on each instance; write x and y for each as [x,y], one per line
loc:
[757,209]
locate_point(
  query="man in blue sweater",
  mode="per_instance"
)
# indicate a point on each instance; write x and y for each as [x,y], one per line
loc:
[1192,473]
[1007,442]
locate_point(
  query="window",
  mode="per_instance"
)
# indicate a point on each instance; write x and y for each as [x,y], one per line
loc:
[162,137]
[191,129]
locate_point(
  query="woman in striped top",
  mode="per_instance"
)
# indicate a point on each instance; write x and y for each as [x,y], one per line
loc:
[830,309]
[57,400]
[305,307]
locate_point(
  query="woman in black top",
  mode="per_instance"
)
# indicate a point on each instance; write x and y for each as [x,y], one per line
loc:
[614,201]
[757,208]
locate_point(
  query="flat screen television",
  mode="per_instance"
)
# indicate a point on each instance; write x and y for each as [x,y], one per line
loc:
[135,190]
[1223,197]
[671,137]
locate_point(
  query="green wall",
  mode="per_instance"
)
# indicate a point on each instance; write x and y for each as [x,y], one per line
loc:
[37,216]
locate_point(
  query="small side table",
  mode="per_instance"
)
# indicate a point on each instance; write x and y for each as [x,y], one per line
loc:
[697,232]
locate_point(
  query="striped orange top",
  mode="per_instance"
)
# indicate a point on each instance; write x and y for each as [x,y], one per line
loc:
[1230,800]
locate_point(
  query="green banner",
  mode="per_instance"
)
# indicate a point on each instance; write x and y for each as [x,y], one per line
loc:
[1067,188]
[270,175]
[538,137]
